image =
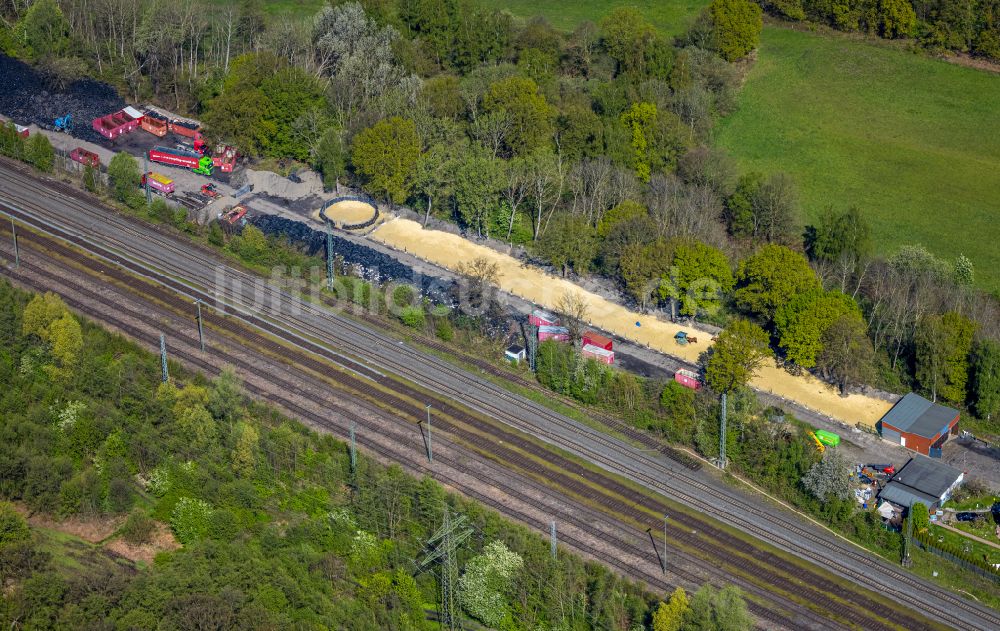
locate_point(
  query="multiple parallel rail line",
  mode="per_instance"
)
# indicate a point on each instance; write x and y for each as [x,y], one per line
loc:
[414,366]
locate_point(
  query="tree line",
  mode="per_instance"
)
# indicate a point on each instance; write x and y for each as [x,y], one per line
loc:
[965,26]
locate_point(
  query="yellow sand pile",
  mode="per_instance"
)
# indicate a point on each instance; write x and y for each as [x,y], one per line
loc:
[450,250]
[349,212]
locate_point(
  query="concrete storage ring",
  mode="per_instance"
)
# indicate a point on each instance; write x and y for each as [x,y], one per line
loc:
[350,212]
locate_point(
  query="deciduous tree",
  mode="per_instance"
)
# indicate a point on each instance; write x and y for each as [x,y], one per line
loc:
[829,478]
[847,352]
[942,347]
[669,616]
[635,45]
[483,587]
[736,26]
[771,278]
[385,154]
[986,378]
[736,355]
[529,118]
[701,275]
[40,153]
[802,322]
[718,610]
[123,172]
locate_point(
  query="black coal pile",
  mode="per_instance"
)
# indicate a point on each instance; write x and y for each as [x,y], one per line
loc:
[375,266]
[26,97]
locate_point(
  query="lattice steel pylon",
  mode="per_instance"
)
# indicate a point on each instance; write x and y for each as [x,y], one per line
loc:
[532,347]
[441,548]
[722,434]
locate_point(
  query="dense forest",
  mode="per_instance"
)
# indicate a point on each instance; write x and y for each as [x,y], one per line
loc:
[275,532]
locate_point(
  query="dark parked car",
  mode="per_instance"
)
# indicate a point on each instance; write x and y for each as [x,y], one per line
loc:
[967,516]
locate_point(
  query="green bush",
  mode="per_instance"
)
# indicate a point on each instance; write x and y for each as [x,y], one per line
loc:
[190,519]
[444,330]
[138,528]
[413,317]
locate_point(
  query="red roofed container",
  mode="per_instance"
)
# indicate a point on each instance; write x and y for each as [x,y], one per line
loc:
[600,354]
[595,339]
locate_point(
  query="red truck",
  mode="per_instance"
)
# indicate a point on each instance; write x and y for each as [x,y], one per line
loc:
[182,158]
[159,183]
[114,125]
[83,156]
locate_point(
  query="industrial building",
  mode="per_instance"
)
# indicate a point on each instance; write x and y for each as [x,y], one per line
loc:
[918,424]
[922,480]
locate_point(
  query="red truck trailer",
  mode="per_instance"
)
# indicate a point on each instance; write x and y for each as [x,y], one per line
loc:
[182,158]
[159,183]
[114,125]
[595,339]
[83,156]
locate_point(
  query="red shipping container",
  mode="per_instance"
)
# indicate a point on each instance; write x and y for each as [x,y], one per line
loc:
[595,339]
[542,318]
[600,354]
[687,379]
[557,333]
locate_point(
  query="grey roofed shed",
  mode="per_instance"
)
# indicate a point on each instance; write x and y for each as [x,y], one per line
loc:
[916,415]
[921,479]
[902,495]
[929,476]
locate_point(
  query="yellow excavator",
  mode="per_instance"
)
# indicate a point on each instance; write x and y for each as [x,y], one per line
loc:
[820,447]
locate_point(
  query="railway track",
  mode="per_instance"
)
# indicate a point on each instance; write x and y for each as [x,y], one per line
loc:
[184,347]
[611,495]
[879,569]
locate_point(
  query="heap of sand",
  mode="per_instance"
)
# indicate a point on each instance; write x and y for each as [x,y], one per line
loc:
[349,212]
[449,250]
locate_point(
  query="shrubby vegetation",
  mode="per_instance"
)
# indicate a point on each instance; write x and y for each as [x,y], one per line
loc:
[275,530]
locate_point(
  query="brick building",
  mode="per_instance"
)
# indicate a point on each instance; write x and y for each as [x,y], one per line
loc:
[917,424]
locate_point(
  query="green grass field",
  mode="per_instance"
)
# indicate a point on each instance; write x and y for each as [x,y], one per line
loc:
[912,141]
[671,17]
